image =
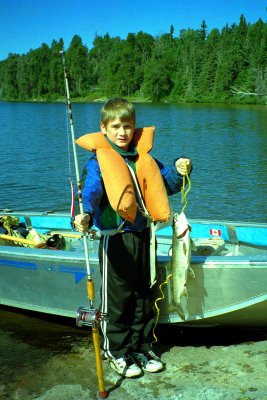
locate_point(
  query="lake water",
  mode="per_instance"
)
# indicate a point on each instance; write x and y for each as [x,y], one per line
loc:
[227,145]
[47,358]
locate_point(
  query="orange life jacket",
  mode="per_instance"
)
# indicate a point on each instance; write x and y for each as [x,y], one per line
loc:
[117,179]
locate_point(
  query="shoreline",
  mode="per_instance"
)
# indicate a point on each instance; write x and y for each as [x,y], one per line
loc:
[103,99]
[48,358]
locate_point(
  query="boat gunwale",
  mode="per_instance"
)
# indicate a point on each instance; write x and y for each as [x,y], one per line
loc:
[51,213]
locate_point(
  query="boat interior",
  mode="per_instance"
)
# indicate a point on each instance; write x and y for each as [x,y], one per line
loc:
[209,238]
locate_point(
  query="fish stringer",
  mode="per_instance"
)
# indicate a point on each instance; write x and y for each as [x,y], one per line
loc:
[184,191]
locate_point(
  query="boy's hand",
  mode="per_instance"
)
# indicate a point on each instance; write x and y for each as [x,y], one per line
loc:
[81,222]
[183,166]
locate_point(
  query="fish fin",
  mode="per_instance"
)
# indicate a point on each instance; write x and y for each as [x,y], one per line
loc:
[193,245]
[191,273]
[180,311]
[184,292]
[177,307]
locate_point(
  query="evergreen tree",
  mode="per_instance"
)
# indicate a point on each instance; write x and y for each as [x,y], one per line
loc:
[9,77]
[223,76]
[239,55]
[195,66]
[56,81]
[38,68]
[77,63]
[103,63]
[24,86]
[206,78]
[160,69]
[203,31]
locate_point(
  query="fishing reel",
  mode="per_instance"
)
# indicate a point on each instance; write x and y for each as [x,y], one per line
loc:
[89,316]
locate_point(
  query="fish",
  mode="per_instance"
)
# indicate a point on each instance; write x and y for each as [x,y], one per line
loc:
[180,260]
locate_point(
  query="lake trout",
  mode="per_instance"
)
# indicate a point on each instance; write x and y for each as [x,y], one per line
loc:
[180,260]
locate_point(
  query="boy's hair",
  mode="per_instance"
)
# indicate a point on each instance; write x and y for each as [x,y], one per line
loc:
[117,108]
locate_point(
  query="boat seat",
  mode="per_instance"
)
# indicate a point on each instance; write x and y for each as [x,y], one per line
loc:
[208,246]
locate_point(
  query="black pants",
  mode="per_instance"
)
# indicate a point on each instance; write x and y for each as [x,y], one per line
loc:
[125,293]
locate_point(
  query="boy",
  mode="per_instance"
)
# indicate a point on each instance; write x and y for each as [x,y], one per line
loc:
[124,251]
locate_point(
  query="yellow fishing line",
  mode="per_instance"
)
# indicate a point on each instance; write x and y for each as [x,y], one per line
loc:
[183,191]
[156,306]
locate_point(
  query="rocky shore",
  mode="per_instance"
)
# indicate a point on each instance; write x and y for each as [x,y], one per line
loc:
[51,359]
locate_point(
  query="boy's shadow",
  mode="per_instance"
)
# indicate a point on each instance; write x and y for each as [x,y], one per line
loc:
[169,336]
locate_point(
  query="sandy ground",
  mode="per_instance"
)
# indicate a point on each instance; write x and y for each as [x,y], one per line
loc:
[50,359]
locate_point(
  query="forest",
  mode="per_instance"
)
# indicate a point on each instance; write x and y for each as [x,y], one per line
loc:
[226,66]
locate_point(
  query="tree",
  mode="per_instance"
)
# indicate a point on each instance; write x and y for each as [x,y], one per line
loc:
[160,69]
[56,81]
[77,63]
[206,77]
[188,65]
[9,77]
[223,74]
[23,83]
[104,59]
[203,31]
[195,66]
[38,68]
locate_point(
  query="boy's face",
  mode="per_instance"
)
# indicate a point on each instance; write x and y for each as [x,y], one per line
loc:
[119,132]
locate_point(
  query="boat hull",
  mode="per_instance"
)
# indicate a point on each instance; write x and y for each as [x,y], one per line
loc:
[49,283]
[229,288]
[222,292]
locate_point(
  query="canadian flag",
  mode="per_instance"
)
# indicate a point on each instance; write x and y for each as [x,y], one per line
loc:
[215,232]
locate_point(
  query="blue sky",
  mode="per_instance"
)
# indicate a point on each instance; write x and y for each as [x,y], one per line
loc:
[26,24]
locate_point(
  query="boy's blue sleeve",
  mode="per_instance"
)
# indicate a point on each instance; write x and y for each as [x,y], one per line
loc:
[172,179]
[93,189]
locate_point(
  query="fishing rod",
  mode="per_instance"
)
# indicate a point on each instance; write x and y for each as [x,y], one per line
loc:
[89,317]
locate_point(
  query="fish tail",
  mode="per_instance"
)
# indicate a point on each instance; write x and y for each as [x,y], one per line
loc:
[180,311]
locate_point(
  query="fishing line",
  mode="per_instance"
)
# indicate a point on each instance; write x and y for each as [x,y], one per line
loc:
[184,192]
[91,316]
[78,182]
[156,306]
[70,166]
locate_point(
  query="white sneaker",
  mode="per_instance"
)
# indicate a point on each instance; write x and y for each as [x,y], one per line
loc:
[125,366]
[148,361]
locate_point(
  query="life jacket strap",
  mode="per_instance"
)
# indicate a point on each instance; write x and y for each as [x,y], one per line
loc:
[151,224]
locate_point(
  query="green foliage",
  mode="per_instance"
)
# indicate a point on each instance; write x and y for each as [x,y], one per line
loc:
[160,69]
[77,65]
[195,66]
